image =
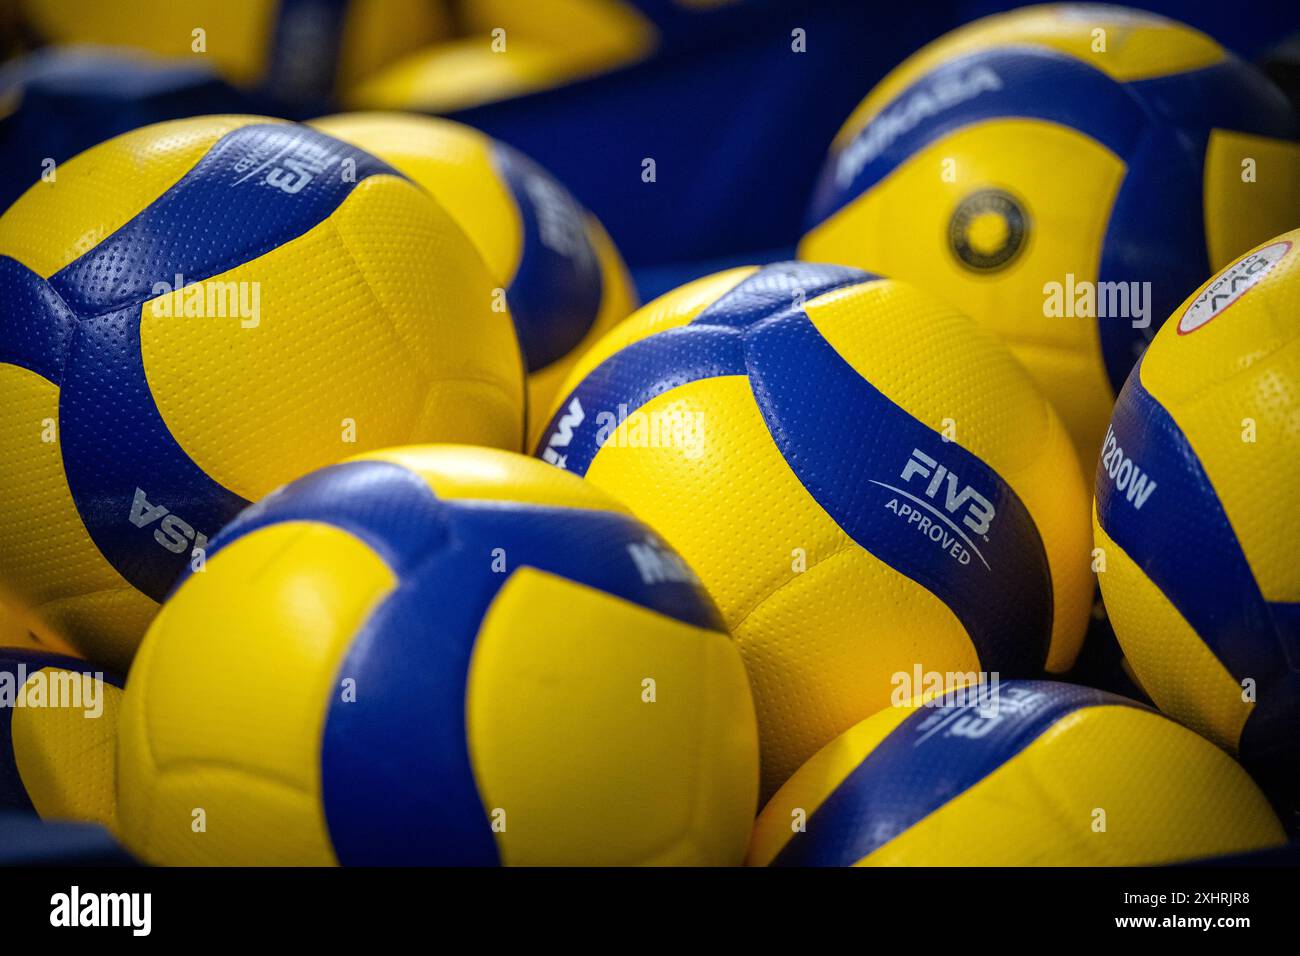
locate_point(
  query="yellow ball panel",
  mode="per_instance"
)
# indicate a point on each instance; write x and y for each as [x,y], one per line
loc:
[98,191]
[730,506]
[822,651]
[466,72]
[375,32]
[610,24]
[468,351]
[818,652]
[1064,236]
[404,358]
[1174,666]
[67,755]
[236,35]
[545,45]
[13,632]
[1239,368]
[482,474]
[1271,195]
[1168,795]
[226,701]
[453,162]
[670,782]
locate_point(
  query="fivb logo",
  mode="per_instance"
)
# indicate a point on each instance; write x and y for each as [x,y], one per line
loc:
[563,434]
[979,511]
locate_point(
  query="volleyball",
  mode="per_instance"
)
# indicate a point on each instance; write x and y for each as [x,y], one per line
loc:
[204,309]
[1066,174]
[862,477]
[576,695]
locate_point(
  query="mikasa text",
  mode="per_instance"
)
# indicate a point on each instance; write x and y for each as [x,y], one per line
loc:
[943,94]
[173,532]
[657,564]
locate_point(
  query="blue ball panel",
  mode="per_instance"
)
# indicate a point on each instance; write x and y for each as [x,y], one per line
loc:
[775,288]
[35,323]
[1156,235]
[387,506]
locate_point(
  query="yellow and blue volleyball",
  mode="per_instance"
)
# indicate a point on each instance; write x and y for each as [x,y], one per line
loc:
[1066,174]
[297,50]
[564,280]
[1197,512]
[58,737]
[202,310]
[438,655]
[1025,773]
[863,478]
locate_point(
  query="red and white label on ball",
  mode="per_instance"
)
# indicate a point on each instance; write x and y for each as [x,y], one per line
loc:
[1230,285]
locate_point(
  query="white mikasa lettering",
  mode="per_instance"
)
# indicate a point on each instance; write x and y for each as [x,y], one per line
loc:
[173,532]
[656,564]
[940,95]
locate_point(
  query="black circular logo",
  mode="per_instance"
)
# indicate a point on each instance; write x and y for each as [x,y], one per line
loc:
[987,230]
